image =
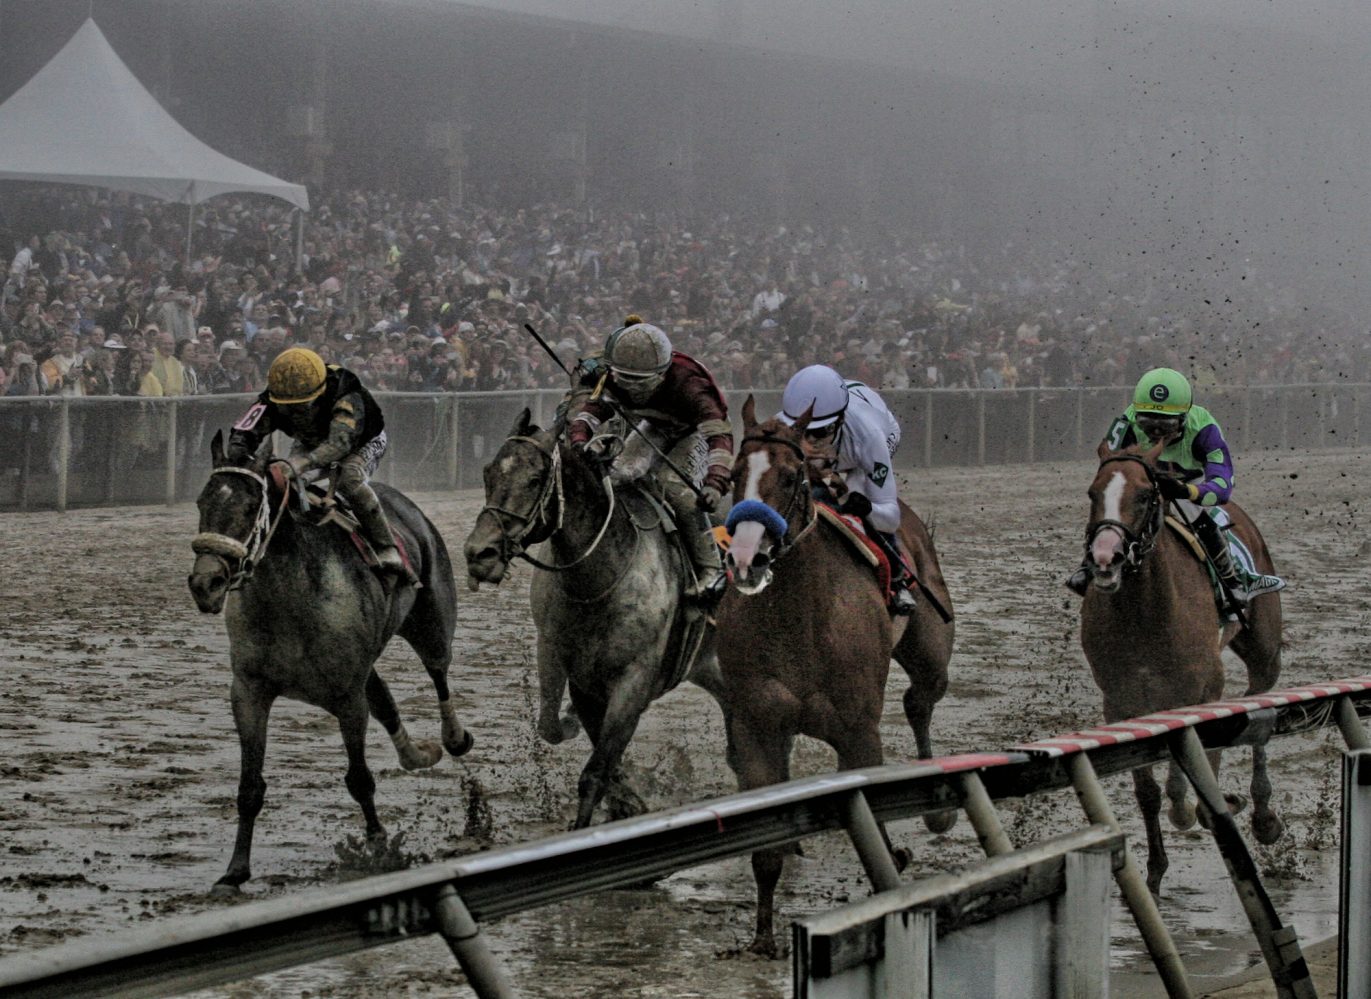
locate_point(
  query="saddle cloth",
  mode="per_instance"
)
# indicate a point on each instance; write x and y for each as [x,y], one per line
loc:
[328,507]
[851,530]
[1253,581]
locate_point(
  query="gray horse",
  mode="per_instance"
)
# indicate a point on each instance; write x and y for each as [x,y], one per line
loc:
[608,607]
[307,619]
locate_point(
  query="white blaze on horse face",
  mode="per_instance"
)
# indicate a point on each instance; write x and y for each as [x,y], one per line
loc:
[747,536]
[1108,543]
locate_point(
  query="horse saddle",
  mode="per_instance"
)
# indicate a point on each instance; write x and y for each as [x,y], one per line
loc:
[1254,582]
[323,507]
[853,531]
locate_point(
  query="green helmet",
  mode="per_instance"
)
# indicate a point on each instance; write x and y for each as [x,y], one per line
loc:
[1163,391]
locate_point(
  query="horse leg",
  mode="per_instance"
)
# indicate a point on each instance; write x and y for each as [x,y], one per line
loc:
[413,755]
[602,771]
[707,675]
[553,726]
[352,723]
[1182,810]
[762,761]
[251,710]
[1149,797]
[927,684]
[1266,824]
[429,633]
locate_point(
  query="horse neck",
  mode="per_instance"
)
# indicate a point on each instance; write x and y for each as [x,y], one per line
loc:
[584,509]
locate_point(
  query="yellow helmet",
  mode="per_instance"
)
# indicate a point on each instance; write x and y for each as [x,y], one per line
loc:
[297,375]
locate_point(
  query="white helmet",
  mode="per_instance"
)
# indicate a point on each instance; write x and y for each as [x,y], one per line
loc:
[818,386]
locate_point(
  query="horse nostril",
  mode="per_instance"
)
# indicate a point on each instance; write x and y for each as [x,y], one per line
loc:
[761,560]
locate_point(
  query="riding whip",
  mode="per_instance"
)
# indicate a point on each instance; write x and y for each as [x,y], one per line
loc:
[550,352]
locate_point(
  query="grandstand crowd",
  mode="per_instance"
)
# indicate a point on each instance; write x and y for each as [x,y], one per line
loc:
[428,296]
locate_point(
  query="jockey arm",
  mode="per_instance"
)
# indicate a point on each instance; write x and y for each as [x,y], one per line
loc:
[342,434]
[252,427]
[864,460]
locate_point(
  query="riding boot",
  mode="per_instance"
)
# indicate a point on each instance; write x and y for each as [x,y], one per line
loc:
[1079,581]
[372,518]
[704,556]
[1215,543]
[902,599]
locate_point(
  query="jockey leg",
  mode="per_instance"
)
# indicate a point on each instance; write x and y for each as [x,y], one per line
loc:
[353,485]
[1216,545]
[698,533]
[902,599]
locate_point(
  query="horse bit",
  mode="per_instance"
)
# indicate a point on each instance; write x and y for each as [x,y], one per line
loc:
[515,545]
[248,553]
[1136,545]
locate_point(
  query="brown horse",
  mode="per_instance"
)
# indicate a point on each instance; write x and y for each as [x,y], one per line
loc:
[1150,630]
[805,639]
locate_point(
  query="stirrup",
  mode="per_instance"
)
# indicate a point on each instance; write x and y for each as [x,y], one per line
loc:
[903,602]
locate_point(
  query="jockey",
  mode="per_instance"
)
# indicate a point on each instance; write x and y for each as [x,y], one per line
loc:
[335,422]
[1199,468]
[673,395]
[852,421]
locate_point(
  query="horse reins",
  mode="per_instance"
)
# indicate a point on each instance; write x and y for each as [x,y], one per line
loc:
[515,546]
[247,553]
[1137,545]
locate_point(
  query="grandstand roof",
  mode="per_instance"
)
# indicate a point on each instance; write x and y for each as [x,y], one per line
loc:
[85,118]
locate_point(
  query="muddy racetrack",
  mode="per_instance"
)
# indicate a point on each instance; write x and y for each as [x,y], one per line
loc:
[120,763]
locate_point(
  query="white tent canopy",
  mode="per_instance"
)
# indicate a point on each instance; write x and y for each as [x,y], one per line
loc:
[85,119]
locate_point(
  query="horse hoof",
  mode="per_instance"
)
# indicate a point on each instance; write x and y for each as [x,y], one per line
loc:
[1267,828]
[764,948]
[1182,818]
[224,889]
[571,728]
[1236,803]
[902,857]
[464,747]
[940,822]
[421,755]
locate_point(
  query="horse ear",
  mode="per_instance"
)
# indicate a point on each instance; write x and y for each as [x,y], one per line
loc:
[802,424]
[749,412]
[1151,456]
[1103,451]
[520,428]
[264,453]
[216,449]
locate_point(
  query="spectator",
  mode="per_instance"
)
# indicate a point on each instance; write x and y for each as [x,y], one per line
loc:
[60,374]
[168,371]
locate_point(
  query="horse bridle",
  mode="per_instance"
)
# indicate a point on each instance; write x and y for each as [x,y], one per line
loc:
[1136,545]
[796,500]
[514,544]
[245,553]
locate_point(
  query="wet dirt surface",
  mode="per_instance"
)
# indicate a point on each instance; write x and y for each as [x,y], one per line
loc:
[120,763]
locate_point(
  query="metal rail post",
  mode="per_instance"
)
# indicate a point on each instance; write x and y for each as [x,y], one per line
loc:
[984,819]
[870,843]
[63,452]
[463,935]
[928,429]
[1279,944]
[980,428]
[453,445]
[1350,725]
[1136,894]
[171,453]
[1032,424]
[1080,418]
[1354,888]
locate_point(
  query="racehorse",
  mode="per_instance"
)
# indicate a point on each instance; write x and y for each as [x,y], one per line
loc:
[307,619]
[805,639]
[607,606]
[1150,632]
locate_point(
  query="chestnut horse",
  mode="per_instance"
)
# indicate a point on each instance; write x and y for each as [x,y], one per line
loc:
[1151,633]
[805,639]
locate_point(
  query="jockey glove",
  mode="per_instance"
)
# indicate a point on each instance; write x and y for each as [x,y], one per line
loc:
[708,499]
[855,505]
[1176,489]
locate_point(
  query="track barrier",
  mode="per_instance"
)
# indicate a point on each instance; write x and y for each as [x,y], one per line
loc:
[58,452]
[452,899]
